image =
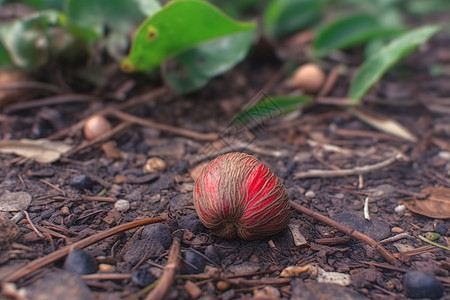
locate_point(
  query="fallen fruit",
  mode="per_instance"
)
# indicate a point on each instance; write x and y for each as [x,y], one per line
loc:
[95,126]
[309,78]
[237,195]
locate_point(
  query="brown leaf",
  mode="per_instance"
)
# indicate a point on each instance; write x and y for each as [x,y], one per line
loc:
[42,151]
[436,205]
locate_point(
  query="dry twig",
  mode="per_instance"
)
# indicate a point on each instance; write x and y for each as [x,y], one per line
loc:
[168,275]
[52,257]
[354,171]
[347,230]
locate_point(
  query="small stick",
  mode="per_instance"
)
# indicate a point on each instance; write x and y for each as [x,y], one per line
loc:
[347,230]
[366,209]
[53,187]
[103,138]
[395,238]
[168,275]
[163,127]
[97,198]
[330,81]
[39,234]
[55,100]
[106,276]
[354,171]
[54,256]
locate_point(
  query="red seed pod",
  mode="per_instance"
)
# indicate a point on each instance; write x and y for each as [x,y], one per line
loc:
[237,195]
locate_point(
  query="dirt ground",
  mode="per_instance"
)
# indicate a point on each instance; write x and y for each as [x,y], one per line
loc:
[66,207]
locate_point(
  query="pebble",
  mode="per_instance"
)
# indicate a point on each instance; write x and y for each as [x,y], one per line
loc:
[14,201]
[222,285]
[65,210]
[418,285]
[142,277]
[400,208]
[310,194]
[154,164]
[397,230]
[80,262]
[82,182]
[195,264]
[122,205]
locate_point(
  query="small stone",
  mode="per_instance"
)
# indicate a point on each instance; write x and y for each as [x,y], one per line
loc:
[154,164]
[418,285]
[310,194]
[194,263]
[122,205]
[119,178]
[197,170]
[65,210]
[82,182]
[105,268]
[444,155]
[400,208]
[397,230]
[142,277]
[222,285]
[245,267]
[14,201]
[80,262]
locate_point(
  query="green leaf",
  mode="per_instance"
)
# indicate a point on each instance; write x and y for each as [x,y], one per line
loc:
[45,4]
[372,70]
[89,19]
[178,26]
[284,17]
[349,31]
[270,108]
[5,59]
[198,65]
[26,40]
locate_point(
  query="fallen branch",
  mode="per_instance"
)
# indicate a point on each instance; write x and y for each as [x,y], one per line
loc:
[354,171]
[52,257]
[347,230]
[168,275]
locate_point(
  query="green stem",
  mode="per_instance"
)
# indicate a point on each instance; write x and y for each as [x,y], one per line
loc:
[433,243]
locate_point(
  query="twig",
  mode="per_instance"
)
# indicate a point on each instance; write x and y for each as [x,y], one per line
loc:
[53,187]
[106,276]
[104,137]
[347,230]
[354,171]
[168,275]
[163,127]
[330,81]
[32,85]
[39,234]
[395,238]
[55,100]
[52,257]
[97,198]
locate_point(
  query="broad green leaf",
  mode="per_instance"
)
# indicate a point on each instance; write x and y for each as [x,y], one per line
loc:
[45,4]
[270,108]
[198,65]
[421,8]
[89,19]
[178,26]
[5,59]
[372,69]
[26,40]
[284,17]
[350,31]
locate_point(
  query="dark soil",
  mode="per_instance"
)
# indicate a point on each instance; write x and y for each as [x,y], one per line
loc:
[408,94]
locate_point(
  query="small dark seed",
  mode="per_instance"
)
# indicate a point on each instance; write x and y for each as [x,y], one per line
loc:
[419,285]
[142,277]
[82,182]
[194,263]
[80,262]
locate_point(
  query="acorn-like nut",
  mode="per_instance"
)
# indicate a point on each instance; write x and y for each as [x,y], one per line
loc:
[95,126]
[309,78]
[236,195]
